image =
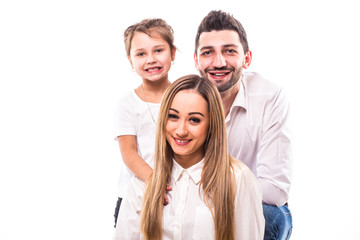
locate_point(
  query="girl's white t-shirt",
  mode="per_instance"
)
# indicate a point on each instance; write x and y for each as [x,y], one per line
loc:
[133,116]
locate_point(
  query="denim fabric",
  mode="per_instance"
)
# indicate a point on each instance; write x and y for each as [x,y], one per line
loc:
[117,208]
[278,222]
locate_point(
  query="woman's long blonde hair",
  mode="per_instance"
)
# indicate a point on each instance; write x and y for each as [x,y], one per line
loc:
[217,181]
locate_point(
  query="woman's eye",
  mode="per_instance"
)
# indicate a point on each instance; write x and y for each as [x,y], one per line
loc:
[194,120]
[172,116]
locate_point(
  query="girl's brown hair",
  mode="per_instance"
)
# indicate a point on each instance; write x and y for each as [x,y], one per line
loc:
[154,27]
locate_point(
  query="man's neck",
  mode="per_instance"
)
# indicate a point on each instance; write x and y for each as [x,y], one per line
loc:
[229,96]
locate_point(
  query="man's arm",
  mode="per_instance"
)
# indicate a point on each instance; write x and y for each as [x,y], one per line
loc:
[274,160]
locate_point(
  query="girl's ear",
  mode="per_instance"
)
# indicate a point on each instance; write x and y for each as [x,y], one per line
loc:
[132,66]
[173,53]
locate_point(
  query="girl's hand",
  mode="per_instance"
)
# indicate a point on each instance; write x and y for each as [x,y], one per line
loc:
[166,200]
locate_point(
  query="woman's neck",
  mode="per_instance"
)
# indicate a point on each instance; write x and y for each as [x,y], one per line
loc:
[187,161]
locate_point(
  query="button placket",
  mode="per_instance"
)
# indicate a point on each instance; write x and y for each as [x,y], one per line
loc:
[179,214]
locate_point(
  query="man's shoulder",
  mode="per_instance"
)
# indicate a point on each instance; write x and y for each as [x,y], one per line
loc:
[254,83]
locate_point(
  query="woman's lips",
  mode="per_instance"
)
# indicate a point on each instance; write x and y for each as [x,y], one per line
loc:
[182,142]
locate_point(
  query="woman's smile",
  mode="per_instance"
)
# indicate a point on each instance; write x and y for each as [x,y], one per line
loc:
[182,142]
[187,127]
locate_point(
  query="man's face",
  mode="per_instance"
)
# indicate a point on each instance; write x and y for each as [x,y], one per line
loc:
[220,58]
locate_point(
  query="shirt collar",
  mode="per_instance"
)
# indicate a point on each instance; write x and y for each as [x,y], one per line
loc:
[194,171]
[240,99]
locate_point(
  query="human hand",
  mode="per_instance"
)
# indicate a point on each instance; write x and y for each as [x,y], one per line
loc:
[166,200]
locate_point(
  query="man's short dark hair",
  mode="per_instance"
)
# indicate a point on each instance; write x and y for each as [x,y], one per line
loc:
[218,20]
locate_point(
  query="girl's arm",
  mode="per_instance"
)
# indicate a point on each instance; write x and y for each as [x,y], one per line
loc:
[132,159]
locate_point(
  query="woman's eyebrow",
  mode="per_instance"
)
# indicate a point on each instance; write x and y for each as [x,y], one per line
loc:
[174,110]
[192,113]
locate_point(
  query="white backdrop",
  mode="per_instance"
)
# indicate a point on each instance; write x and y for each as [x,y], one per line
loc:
[63,66]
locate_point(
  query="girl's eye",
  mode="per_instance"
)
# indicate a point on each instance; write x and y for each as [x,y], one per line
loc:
[172,116]
[194,120]
[159,50]
[140,54]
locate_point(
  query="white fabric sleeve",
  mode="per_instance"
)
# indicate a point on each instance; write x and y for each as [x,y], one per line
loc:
[249,218]
[274,155]
[124,117]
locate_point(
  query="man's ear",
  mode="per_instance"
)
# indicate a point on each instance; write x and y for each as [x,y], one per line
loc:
[196,62]
[247,60]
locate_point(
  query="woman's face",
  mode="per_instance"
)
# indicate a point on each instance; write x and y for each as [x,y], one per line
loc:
[187,127]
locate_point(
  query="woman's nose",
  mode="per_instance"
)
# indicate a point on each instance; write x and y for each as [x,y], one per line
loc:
[181,130]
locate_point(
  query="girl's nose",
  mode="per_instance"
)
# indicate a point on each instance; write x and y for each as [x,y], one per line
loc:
[151,59]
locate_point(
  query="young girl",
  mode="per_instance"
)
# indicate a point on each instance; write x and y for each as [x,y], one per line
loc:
[150,49]
[214,196]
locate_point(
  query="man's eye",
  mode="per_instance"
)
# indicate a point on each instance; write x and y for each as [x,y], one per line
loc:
[206,53]
[231,51]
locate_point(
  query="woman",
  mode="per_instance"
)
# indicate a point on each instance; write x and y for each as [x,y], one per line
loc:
[213,195]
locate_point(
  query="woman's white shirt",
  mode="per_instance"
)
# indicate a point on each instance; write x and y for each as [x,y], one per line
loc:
[186,216]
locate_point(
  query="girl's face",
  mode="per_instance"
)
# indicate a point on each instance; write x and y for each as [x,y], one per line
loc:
[150,57]
[187,127]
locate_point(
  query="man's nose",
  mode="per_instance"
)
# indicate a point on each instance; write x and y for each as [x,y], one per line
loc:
[219,60]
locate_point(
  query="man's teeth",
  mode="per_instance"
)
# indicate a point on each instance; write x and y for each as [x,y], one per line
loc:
[218,74]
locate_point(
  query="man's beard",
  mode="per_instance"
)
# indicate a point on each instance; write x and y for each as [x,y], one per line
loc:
[232,81]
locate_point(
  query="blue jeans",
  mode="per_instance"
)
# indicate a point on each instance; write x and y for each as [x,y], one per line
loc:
[117,208]
[278,222]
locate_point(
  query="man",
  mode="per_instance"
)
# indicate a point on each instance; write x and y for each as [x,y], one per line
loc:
[256,114]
